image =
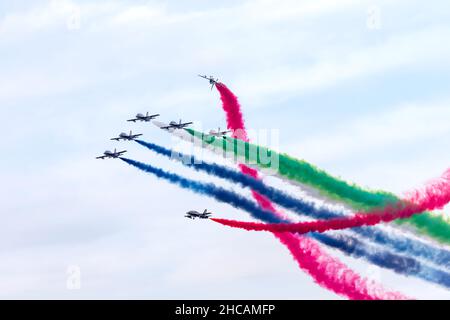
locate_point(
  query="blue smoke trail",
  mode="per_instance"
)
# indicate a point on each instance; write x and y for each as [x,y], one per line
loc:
[402,244]
[403,266]
[210,189]
[400,264]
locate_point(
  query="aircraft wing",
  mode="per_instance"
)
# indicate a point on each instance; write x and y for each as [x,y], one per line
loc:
[121,152]
[137,135]
[132,120]
[101,157]
[117,139]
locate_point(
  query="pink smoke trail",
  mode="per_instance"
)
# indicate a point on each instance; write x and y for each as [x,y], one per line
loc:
[332,274]
[232,108]
[327,271]
[434,196]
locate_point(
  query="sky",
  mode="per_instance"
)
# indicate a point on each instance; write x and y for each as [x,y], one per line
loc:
[358,88]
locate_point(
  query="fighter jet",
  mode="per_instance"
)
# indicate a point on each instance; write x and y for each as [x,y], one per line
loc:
[124,136]
[219,133]
[211,80]
[110,154]
[195,214]
[175,125]
[146,118]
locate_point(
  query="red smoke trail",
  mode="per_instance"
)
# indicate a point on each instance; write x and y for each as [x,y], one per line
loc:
[232,108]
[434,193]
[327,271]
[332,274]
[434,196]
[235,122]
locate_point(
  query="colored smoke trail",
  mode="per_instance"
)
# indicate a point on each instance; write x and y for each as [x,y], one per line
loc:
[349,283]
[400,244]
[302,172]
[313,262]
[232,108]
[400,264]
[434,196]
[216,192]
[325,269]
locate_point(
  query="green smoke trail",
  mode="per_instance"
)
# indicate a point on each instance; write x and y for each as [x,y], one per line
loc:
[332,187]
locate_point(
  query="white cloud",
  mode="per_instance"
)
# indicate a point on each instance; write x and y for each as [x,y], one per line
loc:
[56,12]
[416,50]
[377,131]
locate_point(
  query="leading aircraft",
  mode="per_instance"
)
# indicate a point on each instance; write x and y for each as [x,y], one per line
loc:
[195,214]
[211,80]
[110,154]
[124,136]
[175,125]
[219,133]
[146,118]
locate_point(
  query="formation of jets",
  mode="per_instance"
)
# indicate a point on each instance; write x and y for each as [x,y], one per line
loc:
[195,214]
[130,136]
[127,136]
[173,125]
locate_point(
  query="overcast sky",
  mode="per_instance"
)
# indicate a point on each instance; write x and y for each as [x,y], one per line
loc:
[359,88]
